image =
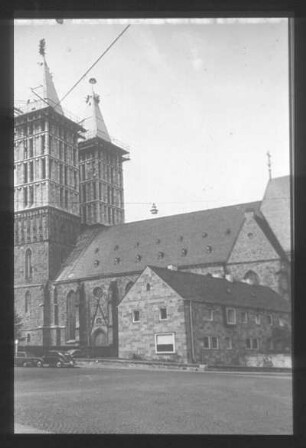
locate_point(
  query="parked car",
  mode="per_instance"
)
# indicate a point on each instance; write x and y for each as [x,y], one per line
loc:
[57,359]
[65,354]
[25,359]
[78,353]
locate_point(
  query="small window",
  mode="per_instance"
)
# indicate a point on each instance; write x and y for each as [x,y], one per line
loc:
[117,260]
[160,255]
[164,343]
[98,321]
[148,287]
[208,315]
[228,343]
[138,258]
[244,317]
[206,342]
[28,337]
[231,316]
[96,263]
[255,344]
[257,319]
[136,316]
[163,314]
[184,252]
[214,342]
[252,344]
[208,249]
[269,319]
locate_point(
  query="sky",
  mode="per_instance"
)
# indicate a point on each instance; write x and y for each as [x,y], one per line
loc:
[198,102]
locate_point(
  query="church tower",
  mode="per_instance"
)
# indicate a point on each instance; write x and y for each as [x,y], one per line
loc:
[46,196]
[101,179]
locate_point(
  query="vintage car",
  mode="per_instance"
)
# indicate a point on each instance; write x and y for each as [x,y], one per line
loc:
[57,359]
[25,359]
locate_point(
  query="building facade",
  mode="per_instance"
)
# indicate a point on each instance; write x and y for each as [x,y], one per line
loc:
[75,258]
[184,317]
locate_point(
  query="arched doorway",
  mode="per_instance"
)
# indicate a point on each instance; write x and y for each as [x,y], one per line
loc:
[99,338]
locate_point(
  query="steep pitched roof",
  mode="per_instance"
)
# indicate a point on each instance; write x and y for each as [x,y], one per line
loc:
[93,121]
[275,208]
[46,93]
[218,290]
[204,237]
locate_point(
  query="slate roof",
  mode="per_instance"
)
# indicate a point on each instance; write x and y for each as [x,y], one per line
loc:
[93,121]
[275,208]
[46,90]
[203,237]
[221,291]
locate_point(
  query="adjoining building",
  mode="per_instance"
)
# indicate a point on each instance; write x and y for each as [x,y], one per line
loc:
[75,258]
[185,317]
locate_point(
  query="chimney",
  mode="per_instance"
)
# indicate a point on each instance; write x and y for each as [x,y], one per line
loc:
[171,267]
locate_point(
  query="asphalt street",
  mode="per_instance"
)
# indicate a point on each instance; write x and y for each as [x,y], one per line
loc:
[117,401]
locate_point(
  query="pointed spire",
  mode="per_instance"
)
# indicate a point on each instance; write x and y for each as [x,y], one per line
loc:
[94,123]
[45,93]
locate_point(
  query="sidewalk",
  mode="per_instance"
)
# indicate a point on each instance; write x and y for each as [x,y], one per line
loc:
[159,365]
[23,429]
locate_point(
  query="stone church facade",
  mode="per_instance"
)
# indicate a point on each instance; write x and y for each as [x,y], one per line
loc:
[75,259]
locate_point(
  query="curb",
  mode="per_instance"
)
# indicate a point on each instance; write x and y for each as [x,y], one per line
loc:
[24,429]
[144,365]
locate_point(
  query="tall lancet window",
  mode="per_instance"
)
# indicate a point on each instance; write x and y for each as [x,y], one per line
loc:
[28,264]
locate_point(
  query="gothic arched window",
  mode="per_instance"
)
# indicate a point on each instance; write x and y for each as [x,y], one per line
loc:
[28,264]
[55,307]
[252,278]
[71,316]
[27,302]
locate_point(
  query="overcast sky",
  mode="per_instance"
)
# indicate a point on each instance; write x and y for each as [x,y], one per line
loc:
[198,103]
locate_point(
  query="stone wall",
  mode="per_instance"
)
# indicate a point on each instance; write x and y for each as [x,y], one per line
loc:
[33,316]
[238,333]
[137,339]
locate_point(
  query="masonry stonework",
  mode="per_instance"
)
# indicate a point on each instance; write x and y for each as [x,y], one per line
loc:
[137,339]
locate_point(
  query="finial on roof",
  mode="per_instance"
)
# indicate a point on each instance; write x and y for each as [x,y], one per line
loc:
[269,164]
[42,47]
[154,209]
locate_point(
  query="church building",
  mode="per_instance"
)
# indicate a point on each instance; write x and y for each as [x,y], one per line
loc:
[74,257]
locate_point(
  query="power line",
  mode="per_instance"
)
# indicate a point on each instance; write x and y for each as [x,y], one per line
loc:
[100,57]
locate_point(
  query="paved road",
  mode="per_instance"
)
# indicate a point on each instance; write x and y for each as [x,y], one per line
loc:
[97,400]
